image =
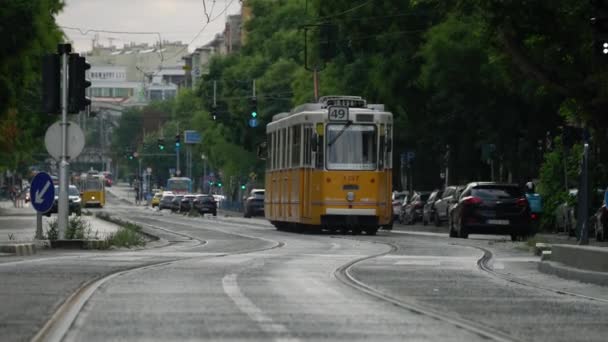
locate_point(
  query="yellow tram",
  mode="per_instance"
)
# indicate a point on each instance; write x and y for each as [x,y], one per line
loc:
[329,166]
[92,187]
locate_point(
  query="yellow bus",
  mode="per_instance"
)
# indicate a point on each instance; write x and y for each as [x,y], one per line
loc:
[329,166]
[92,187]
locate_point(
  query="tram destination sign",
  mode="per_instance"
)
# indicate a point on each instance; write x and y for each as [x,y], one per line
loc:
[337,113]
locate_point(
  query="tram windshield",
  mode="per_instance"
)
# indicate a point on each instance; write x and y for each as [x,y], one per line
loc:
[92,184]
[354,147]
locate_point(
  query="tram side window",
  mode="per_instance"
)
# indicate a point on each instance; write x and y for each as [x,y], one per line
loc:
[307,151]
[389,154]
[288,143]
[275,153]
[269,151]
[296,136]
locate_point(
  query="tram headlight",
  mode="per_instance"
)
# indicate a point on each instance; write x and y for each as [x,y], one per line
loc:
[350,196]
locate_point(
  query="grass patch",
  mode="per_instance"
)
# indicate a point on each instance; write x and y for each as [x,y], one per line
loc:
[128,235]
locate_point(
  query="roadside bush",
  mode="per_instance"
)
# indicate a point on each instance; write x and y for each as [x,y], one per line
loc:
[127,236]
[52,233]
[556,166]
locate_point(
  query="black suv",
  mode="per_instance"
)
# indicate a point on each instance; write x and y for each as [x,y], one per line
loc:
[254,204]
[205,204]
[491,208]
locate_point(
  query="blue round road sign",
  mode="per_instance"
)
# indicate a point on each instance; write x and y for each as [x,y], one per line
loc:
[42,192]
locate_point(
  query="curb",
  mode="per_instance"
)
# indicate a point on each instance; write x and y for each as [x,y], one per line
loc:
[557,269]
[79,244]
[19,249]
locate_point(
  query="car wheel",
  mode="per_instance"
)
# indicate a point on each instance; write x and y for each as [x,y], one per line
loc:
[599,233]
[247,214]
[371,231]
[453,233]
[462,230]
[214,213]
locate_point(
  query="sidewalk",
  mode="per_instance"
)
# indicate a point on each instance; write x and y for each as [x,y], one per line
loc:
[18,226]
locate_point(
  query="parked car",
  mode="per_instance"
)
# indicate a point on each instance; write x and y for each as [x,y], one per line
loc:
[491,208]
[442,205]
[176,203]
[411,211]
[74,201]
[254,204]
[186,203]
[166,201]
[156,199]
[566,214]
[205,204]
[428,211]
[398,198]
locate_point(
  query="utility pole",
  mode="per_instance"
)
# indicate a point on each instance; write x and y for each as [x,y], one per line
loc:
[447,165]
[64,165]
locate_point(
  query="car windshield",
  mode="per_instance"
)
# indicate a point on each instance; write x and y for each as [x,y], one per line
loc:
[354,149]
[72,191]
[257,194]
[496,192]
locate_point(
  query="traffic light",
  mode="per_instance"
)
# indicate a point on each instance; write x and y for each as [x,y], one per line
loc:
[243,186]
[213,113]
[254,107]
[178,139]
[77,99]
[327,41]
[161,144]
[51,84]
[219,184]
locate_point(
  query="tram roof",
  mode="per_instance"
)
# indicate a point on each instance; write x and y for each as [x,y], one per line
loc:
[354,103]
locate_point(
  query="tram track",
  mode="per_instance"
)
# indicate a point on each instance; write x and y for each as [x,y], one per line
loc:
[56,328]
[344,275]
[484,265]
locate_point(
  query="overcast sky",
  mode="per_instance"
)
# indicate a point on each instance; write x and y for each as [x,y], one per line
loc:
[175,20]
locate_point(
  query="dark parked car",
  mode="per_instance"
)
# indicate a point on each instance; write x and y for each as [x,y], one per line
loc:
[254,204]
[411,211]
[491,208]
[74,201]
[186,203]
[205,204]
[166,202]
[428,211]
[176,203]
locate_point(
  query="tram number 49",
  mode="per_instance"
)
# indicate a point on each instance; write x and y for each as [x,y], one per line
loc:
[338,113]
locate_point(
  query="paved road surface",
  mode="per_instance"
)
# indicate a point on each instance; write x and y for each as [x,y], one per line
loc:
[230,278]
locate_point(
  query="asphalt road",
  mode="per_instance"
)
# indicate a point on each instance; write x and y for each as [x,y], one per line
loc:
[230,278]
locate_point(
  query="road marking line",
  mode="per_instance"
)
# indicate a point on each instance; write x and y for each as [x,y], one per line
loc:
[419,263]
[231,288]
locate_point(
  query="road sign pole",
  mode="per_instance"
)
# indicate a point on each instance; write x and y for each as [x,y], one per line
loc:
[38,226]
[62,205]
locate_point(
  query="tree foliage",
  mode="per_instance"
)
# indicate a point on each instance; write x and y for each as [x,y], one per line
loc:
[29,31]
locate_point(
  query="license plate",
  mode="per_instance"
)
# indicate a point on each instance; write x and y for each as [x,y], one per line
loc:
[499,222]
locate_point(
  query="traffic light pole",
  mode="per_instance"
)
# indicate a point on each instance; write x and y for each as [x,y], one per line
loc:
[62,203]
